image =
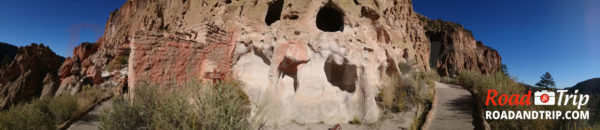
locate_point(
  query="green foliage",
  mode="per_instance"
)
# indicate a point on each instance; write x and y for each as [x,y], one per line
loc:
[415,88]
[504,69]
[48,113]
[190,106]
[63,108]
[546,81]
[440,25]
[5,60]
[118,62]
[355,121]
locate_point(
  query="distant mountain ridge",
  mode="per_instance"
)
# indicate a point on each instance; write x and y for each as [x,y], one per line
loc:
[588,86]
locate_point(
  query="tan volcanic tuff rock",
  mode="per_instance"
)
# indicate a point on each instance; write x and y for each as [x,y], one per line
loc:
[31,73]
[320,60]
[453,50]
[79,70]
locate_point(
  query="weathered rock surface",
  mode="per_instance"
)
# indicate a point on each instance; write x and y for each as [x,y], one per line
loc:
[78,70]
[453,50]
[33,71]
[315,61]
[319,60]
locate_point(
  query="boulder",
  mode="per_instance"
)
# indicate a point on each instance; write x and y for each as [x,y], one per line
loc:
[79,70]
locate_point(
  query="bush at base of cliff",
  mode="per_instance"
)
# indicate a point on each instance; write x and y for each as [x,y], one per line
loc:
[415,88]
[190,106]
[48,113]
[118,63]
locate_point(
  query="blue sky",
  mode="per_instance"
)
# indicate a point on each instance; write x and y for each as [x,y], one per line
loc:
[54,23]
[532,36]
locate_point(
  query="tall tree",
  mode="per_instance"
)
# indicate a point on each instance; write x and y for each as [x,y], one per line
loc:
[546,81]
[504,69]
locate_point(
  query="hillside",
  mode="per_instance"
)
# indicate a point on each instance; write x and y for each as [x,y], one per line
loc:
[7,53]
[32,73]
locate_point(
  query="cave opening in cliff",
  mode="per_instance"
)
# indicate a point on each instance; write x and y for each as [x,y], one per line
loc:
[342,75]
[274,12]
[330,19]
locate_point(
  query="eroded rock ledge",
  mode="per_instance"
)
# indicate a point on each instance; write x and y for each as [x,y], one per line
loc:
[316,61]
[453,50]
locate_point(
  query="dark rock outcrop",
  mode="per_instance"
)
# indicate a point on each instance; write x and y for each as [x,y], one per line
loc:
[32,71]
[453,50]
[7,53]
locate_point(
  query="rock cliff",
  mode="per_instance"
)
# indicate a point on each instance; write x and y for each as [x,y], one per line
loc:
[453,50]
[317,61]
[31,74]
[321,60]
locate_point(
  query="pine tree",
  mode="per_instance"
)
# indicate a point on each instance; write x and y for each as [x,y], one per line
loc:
[546,81]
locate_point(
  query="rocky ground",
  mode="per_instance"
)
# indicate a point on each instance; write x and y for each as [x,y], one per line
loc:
[91,121]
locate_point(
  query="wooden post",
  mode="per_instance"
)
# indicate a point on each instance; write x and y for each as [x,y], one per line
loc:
[214,76]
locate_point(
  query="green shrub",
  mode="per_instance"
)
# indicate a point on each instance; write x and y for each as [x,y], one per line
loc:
[46,113]
[223,107]
[63,108]
[190,106]
[355,121]
[415,88]
[5,60]
[118,62]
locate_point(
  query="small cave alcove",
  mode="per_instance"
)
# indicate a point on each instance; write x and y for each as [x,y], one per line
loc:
[330,19]
[274,12]
[343,76]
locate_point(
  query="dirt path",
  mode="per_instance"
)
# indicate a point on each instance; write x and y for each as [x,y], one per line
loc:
[453,108]
[91,121]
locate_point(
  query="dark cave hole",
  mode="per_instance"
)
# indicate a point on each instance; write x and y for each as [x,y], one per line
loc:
[330,19]
[274,12]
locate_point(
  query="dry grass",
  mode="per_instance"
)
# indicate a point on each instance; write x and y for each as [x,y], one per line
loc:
[48,113]
[190,106]
[118,63]
[413,89]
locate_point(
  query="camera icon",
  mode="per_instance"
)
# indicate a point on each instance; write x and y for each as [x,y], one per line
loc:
[544,98]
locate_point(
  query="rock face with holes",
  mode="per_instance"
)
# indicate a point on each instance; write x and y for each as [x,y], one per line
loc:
[453,50]
[31,74]
[311,61]
[316,61]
